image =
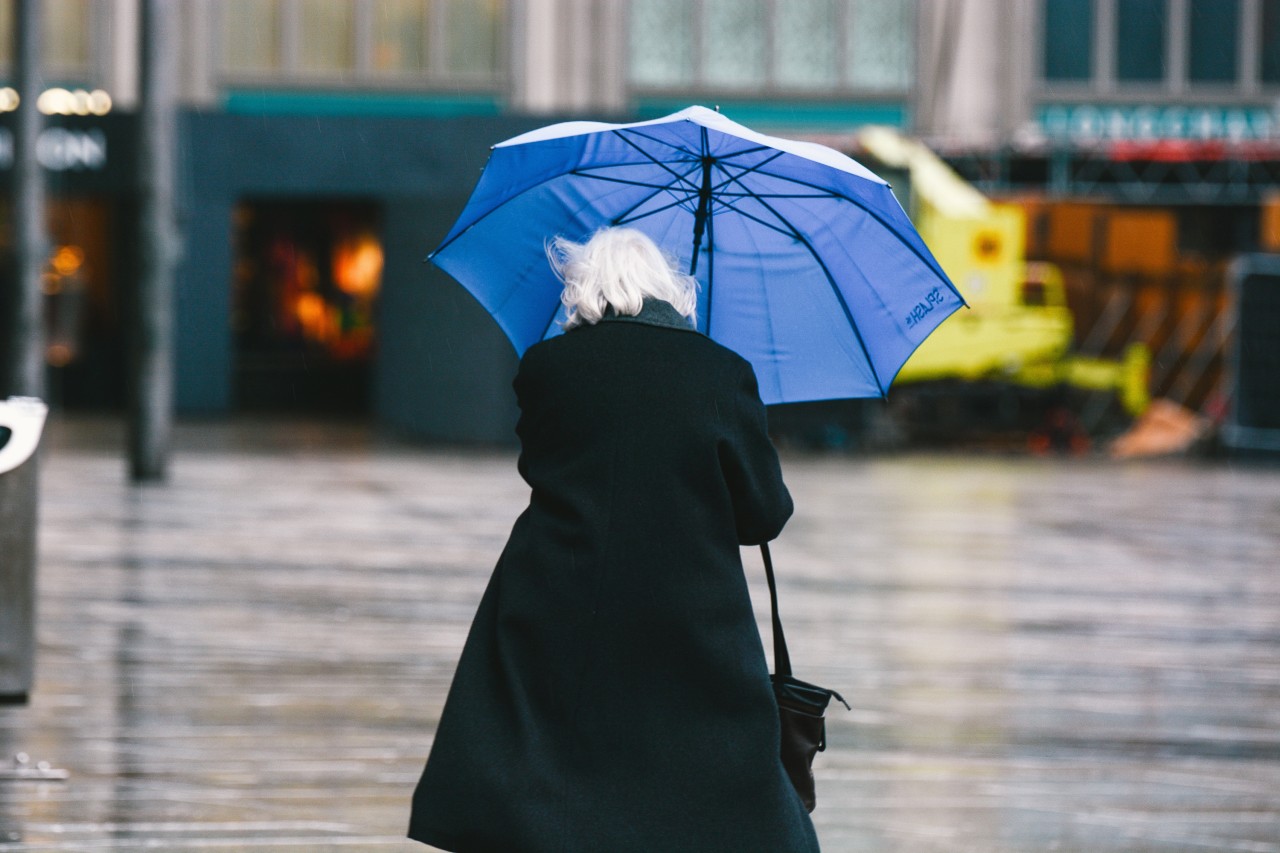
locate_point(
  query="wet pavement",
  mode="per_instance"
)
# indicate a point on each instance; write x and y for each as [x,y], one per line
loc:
[1042,654]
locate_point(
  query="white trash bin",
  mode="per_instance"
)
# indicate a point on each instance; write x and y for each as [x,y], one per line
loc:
[23,418]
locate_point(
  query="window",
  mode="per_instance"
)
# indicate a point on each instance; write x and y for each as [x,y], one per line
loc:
[808,49]
[326,30]
[792,45]
[399,36]
[6,32]
[67,27]
[306,279]
[735,54]
[661,43]
[251,37]
[1270,42]
[1141,26]
[66,34]
[1068,40]
[881,36]
[472,27]
[445,41]
[1213,41]
[1220,43]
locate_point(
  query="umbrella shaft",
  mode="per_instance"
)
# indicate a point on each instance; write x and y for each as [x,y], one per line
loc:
[702,213]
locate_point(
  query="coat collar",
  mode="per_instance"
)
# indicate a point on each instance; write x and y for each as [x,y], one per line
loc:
[653,312]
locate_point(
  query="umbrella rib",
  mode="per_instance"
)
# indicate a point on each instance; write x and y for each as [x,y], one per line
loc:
[746,194]
[878,218]
[655,140]
[705,150]
[831,282]
[673,146]
[622,217]
[612,180]
[746,170]
[626,165]
[588,172]
[717,195]
[653,159]
[731,178]
[625,217]
[744,152]
[447,243]
[756,219]
[752,216]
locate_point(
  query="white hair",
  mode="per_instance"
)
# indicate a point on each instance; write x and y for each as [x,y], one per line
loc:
[617,268]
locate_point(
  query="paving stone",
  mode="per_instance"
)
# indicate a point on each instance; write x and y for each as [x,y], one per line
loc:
[1042,654]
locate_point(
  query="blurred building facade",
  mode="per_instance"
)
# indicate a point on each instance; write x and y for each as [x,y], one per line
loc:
[1143,139]
[326,144]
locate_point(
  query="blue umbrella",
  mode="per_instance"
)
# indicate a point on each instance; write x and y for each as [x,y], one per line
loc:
[808,266]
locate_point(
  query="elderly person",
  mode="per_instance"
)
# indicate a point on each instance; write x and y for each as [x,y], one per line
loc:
[613,695]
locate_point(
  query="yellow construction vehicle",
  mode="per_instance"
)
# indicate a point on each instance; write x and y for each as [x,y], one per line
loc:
[1018,328]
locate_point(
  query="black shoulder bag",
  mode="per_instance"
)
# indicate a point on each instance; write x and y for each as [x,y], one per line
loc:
[801,706]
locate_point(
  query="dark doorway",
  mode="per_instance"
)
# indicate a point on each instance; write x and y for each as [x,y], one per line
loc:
[306,280]
[84,347]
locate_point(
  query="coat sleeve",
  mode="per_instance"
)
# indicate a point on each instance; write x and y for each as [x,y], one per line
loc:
[761,502]
[527,386]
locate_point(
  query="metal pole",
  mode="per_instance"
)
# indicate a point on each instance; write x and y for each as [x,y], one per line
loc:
[19,475]
[24,356]
[151,326]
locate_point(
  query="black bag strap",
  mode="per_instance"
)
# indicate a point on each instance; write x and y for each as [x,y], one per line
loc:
[781,658]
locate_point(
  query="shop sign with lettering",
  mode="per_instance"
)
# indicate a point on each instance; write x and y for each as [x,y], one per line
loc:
[1106,123]
[62,149]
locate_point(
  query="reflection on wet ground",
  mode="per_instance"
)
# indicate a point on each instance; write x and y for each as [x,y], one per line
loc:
[1042,654]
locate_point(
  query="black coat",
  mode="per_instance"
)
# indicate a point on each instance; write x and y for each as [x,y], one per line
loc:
[613,695]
